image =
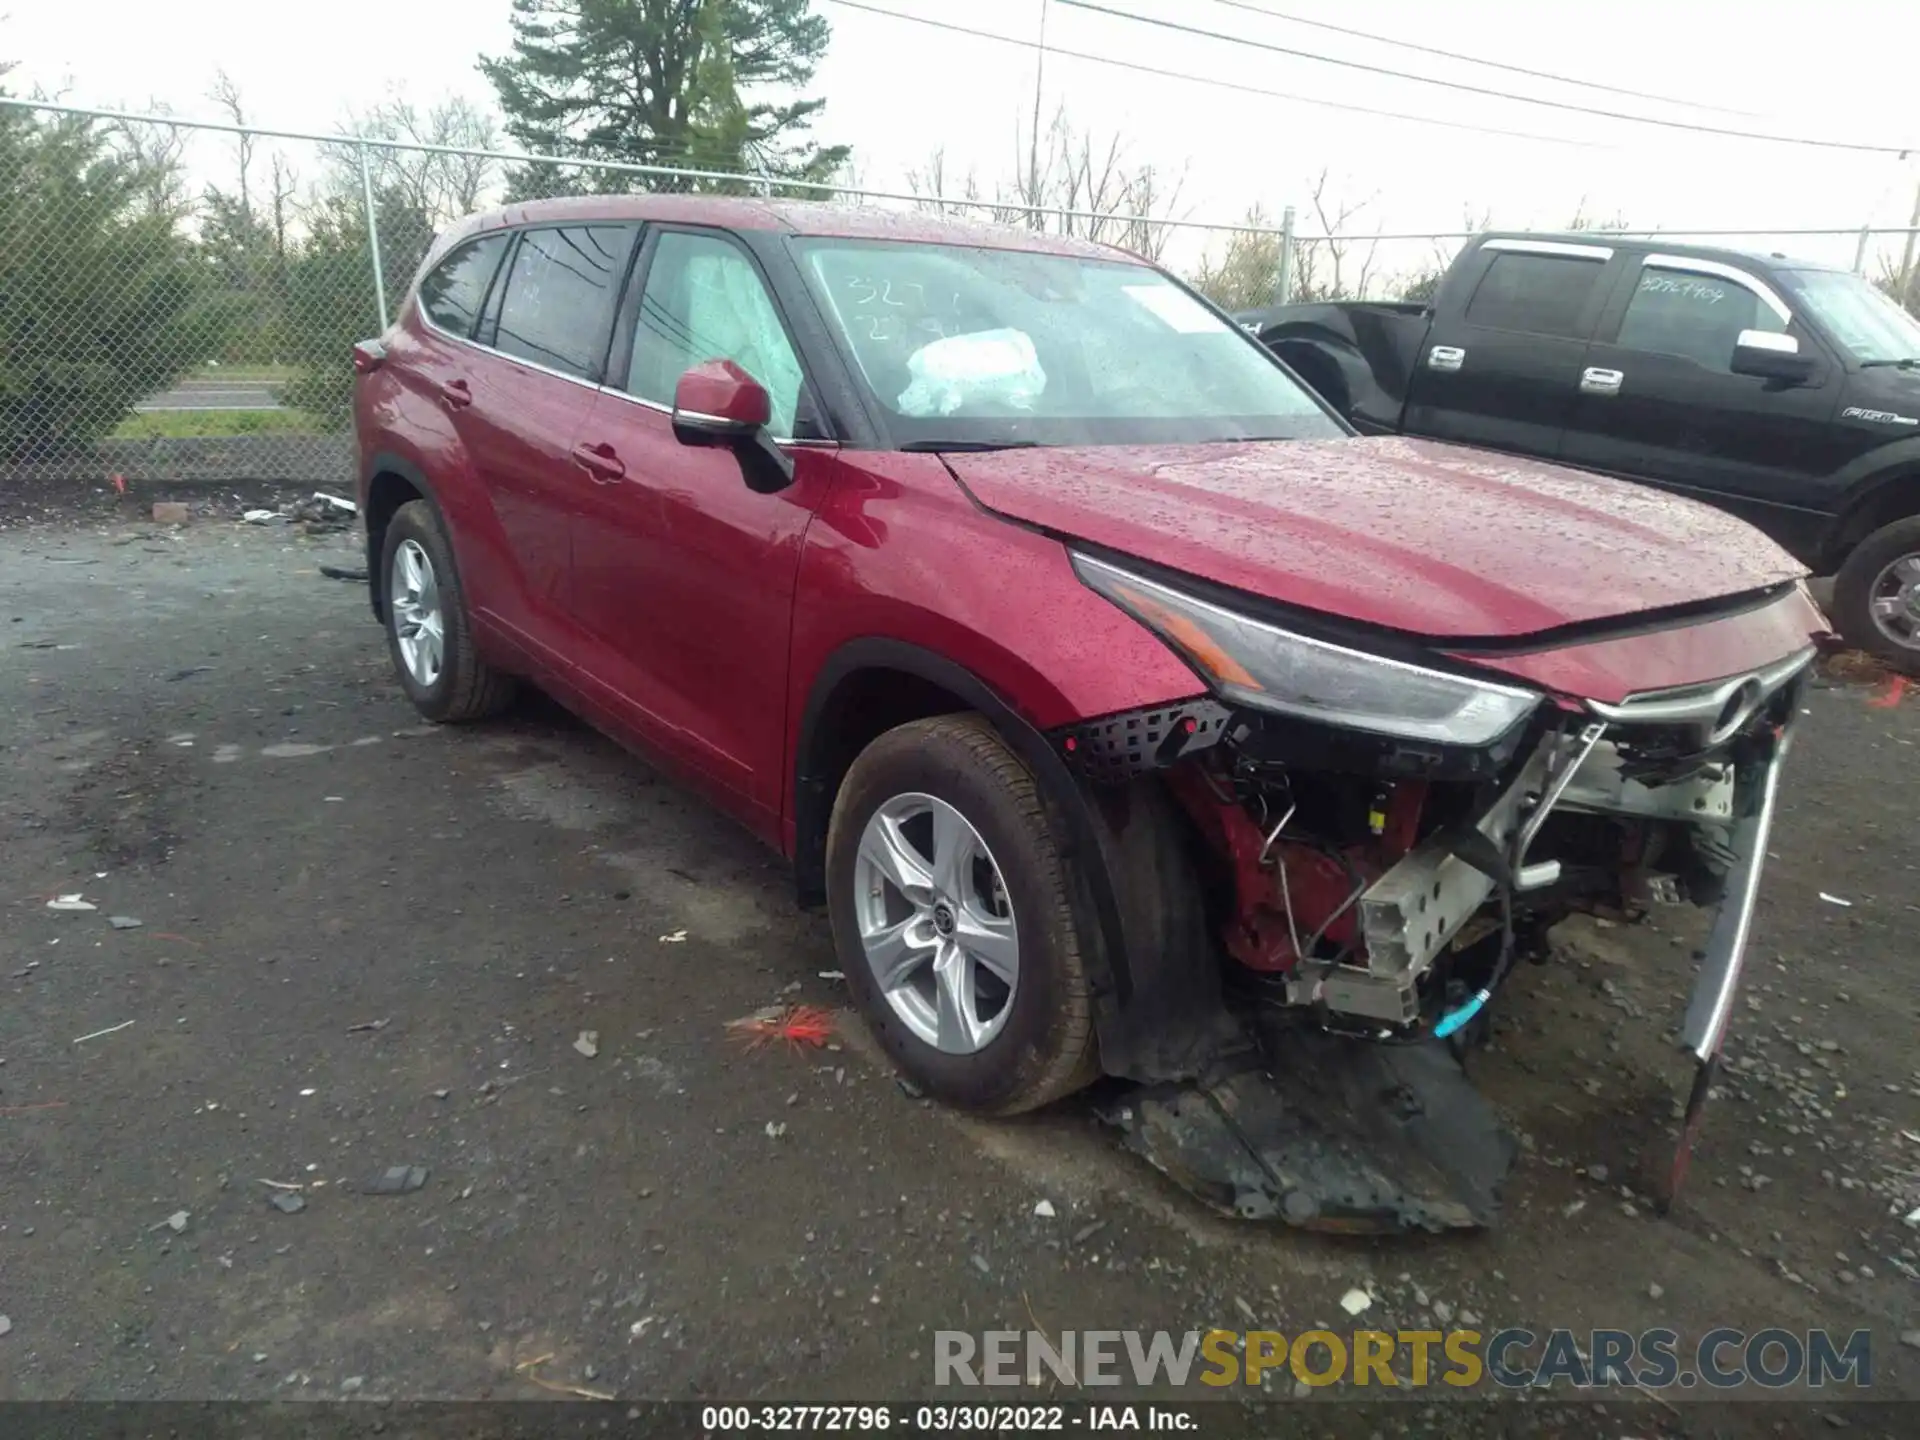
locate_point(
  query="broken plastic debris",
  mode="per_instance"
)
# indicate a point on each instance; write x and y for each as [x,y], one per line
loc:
[775,1131]
[398,1180]
[71,904]
[334,500]
[1913,1219]
[833,974]
[287,1203]
[1836,900]
[588,1044]
[797,1025]
[177,1222]
[262,517]
[1044,1210]
[5,1324]
[674,939]
[96,1034]
[308,1091]
[123,922]
[1355,1301]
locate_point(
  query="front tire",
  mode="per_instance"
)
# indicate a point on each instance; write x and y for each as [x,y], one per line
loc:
[1876,595]
[428,635]
[949,901]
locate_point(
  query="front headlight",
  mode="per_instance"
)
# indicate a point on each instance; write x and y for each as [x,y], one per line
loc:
[1261,665]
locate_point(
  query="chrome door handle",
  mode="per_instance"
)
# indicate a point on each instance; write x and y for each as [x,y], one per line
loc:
[1595,381]
[1446,357]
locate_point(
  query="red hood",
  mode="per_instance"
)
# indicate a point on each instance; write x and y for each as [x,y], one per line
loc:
[1430,539]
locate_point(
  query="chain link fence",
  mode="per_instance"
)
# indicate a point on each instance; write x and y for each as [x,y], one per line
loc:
[178,300]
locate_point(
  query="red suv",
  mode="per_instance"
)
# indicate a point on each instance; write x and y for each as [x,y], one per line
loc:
[1106,688]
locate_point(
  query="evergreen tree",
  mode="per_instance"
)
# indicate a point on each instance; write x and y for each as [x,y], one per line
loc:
[662,82]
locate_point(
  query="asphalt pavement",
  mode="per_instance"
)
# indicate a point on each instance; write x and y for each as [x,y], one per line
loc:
[363,944]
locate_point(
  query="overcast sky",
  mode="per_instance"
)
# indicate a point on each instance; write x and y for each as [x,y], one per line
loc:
[1843,70]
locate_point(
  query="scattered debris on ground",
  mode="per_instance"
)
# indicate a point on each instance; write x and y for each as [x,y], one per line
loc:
[588,1044]
[397,1180]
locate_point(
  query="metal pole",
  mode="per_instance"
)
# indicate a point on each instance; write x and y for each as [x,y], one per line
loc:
[1860,250]
[1283,282]
[373,235]
[1906,255]
[1033,140]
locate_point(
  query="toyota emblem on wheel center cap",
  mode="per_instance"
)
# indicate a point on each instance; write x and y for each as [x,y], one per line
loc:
[943,918]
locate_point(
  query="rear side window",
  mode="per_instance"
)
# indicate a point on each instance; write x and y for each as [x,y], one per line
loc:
[558,307]
[456,288]
[1538,294]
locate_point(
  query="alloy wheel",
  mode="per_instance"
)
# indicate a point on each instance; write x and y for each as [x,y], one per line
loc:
[1894,602]
[419,626]
[936,923]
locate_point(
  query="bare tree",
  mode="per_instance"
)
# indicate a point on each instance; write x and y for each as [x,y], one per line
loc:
[226,95]
[442,181]
[156,153]
[1328,268]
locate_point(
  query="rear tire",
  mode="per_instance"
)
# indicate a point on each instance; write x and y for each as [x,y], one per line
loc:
[1876,595]
[428,634]
[950,937]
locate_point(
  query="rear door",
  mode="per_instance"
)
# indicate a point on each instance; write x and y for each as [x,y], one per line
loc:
[532,385]
[1503,368]
[1660,402]
[683,577]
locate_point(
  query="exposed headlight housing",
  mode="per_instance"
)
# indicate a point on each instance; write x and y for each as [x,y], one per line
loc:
[1254,663]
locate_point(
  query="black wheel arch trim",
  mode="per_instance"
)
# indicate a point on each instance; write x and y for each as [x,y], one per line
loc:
[385,462]
[1861,480]
[1108,962]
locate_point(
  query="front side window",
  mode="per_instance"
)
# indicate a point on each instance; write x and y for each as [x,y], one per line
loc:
[975,345]
[558,309]
[1535,294]
[455,289]
[705,301]
[1696,316]
[1861,317]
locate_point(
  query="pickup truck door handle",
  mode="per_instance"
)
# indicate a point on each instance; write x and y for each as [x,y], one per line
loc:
[455,395]
[600,461]
[1446,357]
[1595,381]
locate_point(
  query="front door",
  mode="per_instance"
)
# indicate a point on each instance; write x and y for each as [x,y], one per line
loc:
[1661,403]
[682,576]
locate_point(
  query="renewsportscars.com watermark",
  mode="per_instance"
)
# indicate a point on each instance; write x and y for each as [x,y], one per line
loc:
[1514,1358]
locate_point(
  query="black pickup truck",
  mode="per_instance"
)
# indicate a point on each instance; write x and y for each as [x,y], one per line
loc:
[1787,393]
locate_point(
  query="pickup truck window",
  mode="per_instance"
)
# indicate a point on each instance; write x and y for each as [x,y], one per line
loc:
[1860,316]
[1537,294]
[1693,315]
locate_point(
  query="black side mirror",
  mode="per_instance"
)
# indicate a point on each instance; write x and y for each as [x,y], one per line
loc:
[1771,356]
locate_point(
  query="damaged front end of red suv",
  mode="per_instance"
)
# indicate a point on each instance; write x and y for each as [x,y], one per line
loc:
[1386,833]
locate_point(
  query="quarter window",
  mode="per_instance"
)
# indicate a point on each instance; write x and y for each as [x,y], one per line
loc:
[1537,294]
[558,307]
[1697,317]
[456,288]
[705,301]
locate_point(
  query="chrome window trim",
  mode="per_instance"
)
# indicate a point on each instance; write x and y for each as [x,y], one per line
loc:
[1752,283]
[1563,248]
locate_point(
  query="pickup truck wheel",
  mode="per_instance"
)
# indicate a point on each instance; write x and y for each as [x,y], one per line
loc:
[1876,596]
[427,632]
[948,896]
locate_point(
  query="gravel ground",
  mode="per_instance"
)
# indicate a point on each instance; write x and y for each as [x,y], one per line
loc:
[365,944]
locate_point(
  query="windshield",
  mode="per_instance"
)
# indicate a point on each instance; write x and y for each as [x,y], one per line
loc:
[972,346]
[1860,316]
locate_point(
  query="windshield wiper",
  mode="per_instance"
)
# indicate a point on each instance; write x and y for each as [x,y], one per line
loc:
[970,445]
[1906,362]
